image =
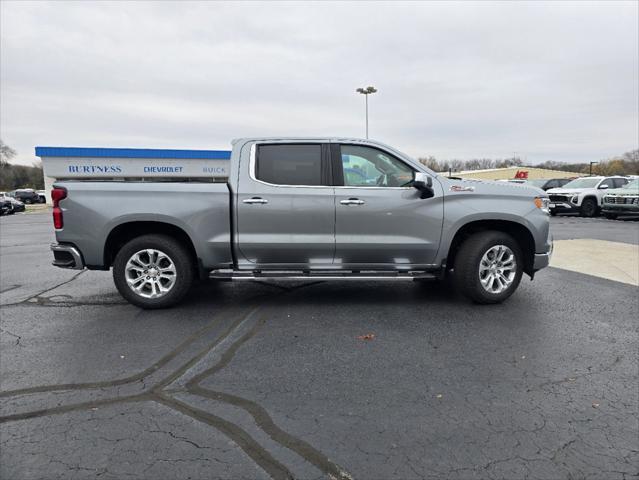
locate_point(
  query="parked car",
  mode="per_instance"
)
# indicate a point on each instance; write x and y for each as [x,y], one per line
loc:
[583,195]
[288,211]
[25,195]
[6,207]
[42,196]
[548,183]
[621,201]
[16,205]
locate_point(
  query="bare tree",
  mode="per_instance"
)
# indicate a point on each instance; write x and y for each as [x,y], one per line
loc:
[430,162]
[632,156]
[6,153]
[457,165]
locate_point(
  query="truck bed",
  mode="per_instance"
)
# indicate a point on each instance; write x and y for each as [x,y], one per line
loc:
[93,209]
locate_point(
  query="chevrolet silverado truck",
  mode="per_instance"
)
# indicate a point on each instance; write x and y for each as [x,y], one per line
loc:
[583,195]
[302,209]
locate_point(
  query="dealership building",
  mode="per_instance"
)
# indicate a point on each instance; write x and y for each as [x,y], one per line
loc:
[133,164]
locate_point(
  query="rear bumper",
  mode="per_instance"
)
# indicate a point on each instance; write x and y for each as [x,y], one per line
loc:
[67,256]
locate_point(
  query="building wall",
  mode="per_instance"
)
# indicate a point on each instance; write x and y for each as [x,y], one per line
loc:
[48,185]
[511,172]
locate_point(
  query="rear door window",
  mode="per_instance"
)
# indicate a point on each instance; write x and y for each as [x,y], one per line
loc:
[299,164]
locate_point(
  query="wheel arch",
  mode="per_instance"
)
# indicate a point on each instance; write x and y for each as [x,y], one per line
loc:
[522,235]
[590,196]
[124,232]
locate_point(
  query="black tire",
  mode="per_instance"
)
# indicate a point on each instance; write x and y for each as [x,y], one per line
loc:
[468,258]
[553,213]
[181,258]
[610,216]
[588,208]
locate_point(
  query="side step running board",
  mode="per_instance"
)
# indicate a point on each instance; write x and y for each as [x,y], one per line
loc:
[330,275]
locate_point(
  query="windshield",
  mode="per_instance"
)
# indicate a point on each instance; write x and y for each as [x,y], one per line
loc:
[634,184]
[587,182]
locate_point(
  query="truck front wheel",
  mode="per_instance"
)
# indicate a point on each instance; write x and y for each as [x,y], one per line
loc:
[488,267]
[153,271]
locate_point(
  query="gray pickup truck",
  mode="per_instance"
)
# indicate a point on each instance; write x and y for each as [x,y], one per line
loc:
[303,208]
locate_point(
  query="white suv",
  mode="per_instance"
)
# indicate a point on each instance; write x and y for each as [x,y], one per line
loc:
[583,195]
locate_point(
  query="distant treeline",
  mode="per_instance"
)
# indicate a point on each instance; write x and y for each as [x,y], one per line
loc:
[626,164]
[18,176]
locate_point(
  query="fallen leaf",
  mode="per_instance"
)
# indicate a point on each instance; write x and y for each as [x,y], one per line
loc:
[595,405]
[368,336]
[439,395]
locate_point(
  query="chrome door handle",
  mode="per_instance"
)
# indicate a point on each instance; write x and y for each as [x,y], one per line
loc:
[255,200]
[352,201]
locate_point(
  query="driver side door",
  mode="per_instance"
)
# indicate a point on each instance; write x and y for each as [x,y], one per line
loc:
[381,222]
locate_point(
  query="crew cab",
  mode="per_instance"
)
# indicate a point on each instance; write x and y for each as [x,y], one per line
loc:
[583,195]
[302,208]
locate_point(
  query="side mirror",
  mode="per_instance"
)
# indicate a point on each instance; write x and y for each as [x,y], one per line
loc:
[424,183]
[603,187]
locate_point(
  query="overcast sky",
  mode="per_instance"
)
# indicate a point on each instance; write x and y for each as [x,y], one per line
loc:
[550,81]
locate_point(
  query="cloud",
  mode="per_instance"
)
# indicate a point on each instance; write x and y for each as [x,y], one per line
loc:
[456,80]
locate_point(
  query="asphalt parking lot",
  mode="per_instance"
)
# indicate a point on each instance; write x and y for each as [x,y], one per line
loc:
[322,380]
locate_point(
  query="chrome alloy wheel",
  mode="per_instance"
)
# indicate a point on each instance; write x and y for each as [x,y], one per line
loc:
[150,273]
[497,269]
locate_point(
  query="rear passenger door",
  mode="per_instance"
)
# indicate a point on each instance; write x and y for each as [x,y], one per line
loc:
[286,207]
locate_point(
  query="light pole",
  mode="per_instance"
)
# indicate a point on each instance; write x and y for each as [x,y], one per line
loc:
[591,164]
[366,92]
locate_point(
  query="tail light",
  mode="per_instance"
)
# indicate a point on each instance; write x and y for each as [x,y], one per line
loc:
[57,194]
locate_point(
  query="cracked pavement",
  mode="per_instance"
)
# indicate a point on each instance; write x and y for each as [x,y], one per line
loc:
[257,380]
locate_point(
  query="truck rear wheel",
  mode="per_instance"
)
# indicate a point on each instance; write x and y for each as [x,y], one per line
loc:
[488,267]
[153,271]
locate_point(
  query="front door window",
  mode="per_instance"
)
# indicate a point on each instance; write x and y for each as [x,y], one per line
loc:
[369,167]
